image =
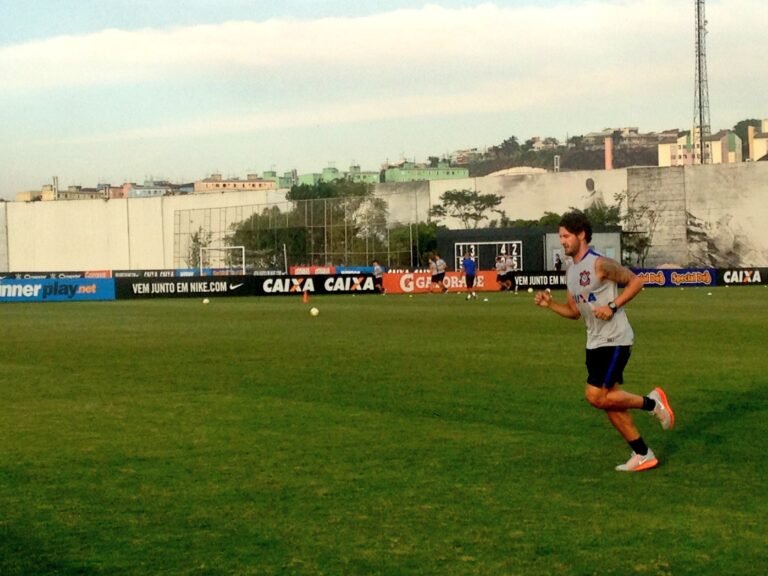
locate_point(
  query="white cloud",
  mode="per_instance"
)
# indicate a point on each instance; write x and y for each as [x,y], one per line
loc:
[534,70]
[498,97]
[483,37]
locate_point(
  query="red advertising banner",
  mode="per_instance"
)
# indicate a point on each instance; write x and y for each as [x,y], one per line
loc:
[421,282]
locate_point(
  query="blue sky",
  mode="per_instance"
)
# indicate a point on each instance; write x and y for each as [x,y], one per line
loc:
[119,90]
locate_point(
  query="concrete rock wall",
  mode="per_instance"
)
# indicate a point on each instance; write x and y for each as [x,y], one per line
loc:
[707,216]
[662,193]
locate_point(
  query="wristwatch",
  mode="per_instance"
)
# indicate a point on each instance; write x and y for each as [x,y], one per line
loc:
[613,307]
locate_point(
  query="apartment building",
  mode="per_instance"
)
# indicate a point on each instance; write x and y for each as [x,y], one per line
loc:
[758,141]
[216,183]
[723,147]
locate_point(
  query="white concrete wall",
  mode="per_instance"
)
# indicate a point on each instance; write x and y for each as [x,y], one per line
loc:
[3,238]
[407,201]
[146,233]
[133,233]
[711,215]
[729,203]
[663,191]
[67,235]
[529,196]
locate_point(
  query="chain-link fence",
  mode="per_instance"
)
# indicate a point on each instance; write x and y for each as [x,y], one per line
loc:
[349,231]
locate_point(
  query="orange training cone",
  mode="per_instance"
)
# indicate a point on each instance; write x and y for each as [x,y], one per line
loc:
[306,297]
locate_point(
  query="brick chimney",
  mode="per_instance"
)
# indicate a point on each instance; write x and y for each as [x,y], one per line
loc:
[609,153]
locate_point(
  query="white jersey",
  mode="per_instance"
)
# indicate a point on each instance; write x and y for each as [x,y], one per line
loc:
[441,265]
[588,292]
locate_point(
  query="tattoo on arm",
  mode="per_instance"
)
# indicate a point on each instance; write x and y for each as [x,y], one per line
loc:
[612,270]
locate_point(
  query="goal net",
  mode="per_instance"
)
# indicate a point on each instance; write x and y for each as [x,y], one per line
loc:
[231,258]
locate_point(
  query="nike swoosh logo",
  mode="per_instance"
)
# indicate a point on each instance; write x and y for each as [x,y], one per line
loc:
[235,286]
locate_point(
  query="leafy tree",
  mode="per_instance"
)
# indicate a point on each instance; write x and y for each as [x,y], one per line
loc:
[580,159]
[467,205]
[507,149]
[411,244]
[510,146]
[573,155]
[601,214]
[336,189]
[550,219]
[502,222]
[264,234]
[427,238]
[528,145]
[522,223]
[365,226]
[637,156]
[741,131]
[339,221]
[639,223]
[197,240]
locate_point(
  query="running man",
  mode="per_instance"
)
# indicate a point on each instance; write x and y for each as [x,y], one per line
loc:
[439,275]
[433,274]
[593,295]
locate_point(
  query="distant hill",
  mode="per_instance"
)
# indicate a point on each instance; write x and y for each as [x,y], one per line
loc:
[570,159]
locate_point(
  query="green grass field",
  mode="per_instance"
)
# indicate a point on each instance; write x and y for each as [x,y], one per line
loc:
[389,435]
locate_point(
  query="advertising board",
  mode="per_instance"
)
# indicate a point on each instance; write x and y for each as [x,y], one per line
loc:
[56,289]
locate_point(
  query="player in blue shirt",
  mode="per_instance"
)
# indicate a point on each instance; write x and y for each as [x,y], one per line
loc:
[469,267]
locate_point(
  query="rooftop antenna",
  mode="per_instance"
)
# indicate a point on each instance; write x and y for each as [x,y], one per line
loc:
[701,99]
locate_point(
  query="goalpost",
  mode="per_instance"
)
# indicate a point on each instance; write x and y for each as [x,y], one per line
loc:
[222,257]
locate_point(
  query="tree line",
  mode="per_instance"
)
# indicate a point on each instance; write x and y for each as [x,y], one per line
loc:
[574,155]
[343,223]
[354,228]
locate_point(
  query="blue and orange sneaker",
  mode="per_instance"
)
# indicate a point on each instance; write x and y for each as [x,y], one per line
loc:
[637,463]
[663,410]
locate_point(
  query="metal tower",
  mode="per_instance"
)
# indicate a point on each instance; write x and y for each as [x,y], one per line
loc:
[701,100]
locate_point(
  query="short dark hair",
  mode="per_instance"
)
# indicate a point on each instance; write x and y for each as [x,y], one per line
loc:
[576,222]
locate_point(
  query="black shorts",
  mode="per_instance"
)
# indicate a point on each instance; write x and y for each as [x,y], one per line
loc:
[470,278]
[605,365]
[438,278]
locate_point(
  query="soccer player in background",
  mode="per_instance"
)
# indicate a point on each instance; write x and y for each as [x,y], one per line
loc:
[470,269]
[501,274]
[593,295]
[510,265]
[378,277]
[433,273]
[439,272]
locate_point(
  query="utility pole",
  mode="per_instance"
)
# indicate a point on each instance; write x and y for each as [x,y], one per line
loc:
[701,99]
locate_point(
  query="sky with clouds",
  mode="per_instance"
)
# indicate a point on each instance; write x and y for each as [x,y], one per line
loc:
[126,90]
